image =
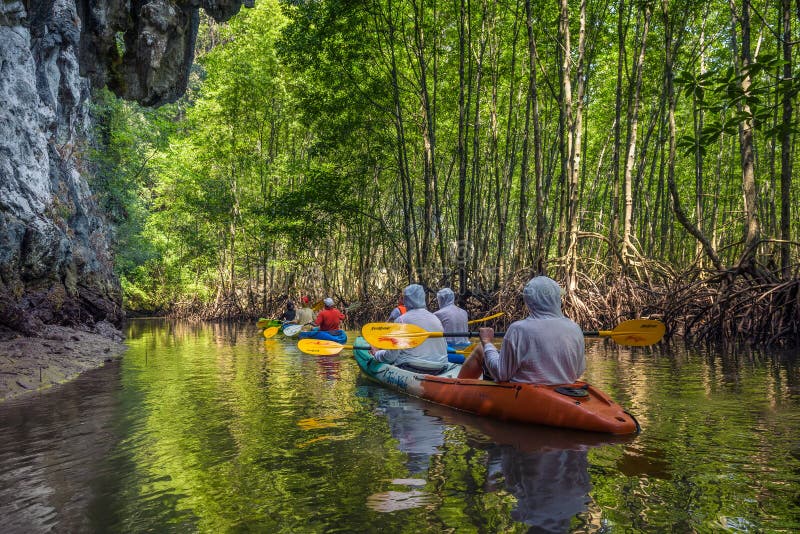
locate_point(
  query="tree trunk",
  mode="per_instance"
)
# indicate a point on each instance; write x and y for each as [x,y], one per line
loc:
[402,160]
[615,156]
[786,139]
[749,193]
[576,132]
[633,118]
[672,143]
[461,149]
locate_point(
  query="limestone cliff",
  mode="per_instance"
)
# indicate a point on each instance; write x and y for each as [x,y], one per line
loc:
[55,262]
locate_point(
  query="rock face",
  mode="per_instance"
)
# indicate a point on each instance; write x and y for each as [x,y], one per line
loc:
[55,260]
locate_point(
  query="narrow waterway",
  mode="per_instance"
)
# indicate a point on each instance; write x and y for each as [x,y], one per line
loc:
[210,428]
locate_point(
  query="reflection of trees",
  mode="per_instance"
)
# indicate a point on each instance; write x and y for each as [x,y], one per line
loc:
[209,428]
[248,434]
[717,425]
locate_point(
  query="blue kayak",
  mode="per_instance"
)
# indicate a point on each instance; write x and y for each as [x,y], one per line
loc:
[339,336]
[453,356]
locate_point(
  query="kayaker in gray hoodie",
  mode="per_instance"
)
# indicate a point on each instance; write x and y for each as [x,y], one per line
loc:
[543,348]
[431,355]
[453,318]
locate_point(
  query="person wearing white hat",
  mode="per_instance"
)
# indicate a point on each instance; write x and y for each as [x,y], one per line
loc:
[329,318]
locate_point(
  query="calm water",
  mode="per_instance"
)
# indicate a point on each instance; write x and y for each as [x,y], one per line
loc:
[210,428]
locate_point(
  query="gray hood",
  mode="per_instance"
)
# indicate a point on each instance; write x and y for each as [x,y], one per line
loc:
[414,297]
[542,296]
[445,297]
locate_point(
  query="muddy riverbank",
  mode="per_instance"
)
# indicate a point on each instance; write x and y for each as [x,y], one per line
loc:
[57,355]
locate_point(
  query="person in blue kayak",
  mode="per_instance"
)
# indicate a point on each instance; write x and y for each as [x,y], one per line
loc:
[430,356]
[329,318]
[543,348]
[453,318]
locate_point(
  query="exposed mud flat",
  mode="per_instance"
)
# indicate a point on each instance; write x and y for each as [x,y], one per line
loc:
[59,354]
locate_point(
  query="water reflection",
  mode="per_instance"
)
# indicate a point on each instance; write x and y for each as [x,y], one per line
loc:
[207,427]
[544,469]
[418,435]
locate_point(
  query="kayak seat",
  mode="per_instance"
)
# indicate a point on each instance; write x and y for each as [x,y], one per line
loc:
[573,392]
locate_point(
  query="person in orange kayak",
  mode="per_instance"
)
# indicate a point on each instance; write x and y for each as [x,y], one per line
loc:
[329,318]
[543,348]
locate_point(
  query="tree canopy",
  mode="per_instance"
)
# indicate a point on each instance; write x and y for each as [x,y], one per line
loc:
[346,148]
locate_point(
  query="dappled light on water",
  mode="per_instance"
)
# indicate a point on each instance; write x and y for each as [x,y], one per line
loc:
[209,427]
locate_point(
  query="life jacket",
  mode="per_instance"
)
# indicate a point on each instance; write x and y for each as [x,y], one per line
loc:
[402,309]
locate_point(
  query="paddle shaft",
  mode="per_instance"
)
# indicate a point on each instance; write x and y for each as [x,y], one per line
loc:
[489,318]
[635,332]
[461,334]
[501,334]
[603,333]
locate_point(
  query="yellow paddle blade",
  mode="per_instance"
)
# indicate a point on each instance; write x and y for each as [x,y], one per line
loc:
[637,332]
[321,347]
[318,306]
[271,331]
[395,335]
[489,318]
[467,350]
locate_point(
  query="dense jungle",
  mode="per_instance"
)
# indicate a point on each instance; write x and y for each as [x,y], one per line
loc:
[641,153]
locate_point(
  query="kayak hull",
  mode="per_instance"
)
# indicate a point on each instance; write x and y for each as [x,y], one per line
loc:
[339,336]
[579,406]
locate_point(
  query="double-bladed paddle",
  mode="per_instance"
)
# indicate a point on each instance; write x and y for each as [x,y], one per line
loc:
[322,347]
[636,332]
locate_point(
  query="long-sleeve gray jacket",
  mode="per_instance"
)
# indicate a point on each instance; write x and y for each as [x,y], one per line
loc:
[544,348]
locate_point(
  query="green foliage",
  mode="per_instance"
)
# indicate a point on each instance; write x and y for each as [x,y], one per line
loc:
[335,146]
[720,93]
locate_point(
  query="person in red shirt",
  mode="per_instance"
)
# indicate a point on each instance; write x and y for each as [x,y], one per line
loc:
[329,318]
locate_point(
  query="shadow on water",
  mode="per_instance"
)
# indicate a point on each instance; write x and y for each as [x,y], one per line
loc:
[45,486]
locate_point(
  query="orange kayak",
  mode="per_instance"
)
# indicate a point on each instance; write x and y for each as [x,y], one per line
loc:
[580,406]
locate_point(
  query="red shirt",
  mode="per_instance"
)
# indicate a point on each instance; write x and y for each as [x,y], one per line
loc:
[328,319]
